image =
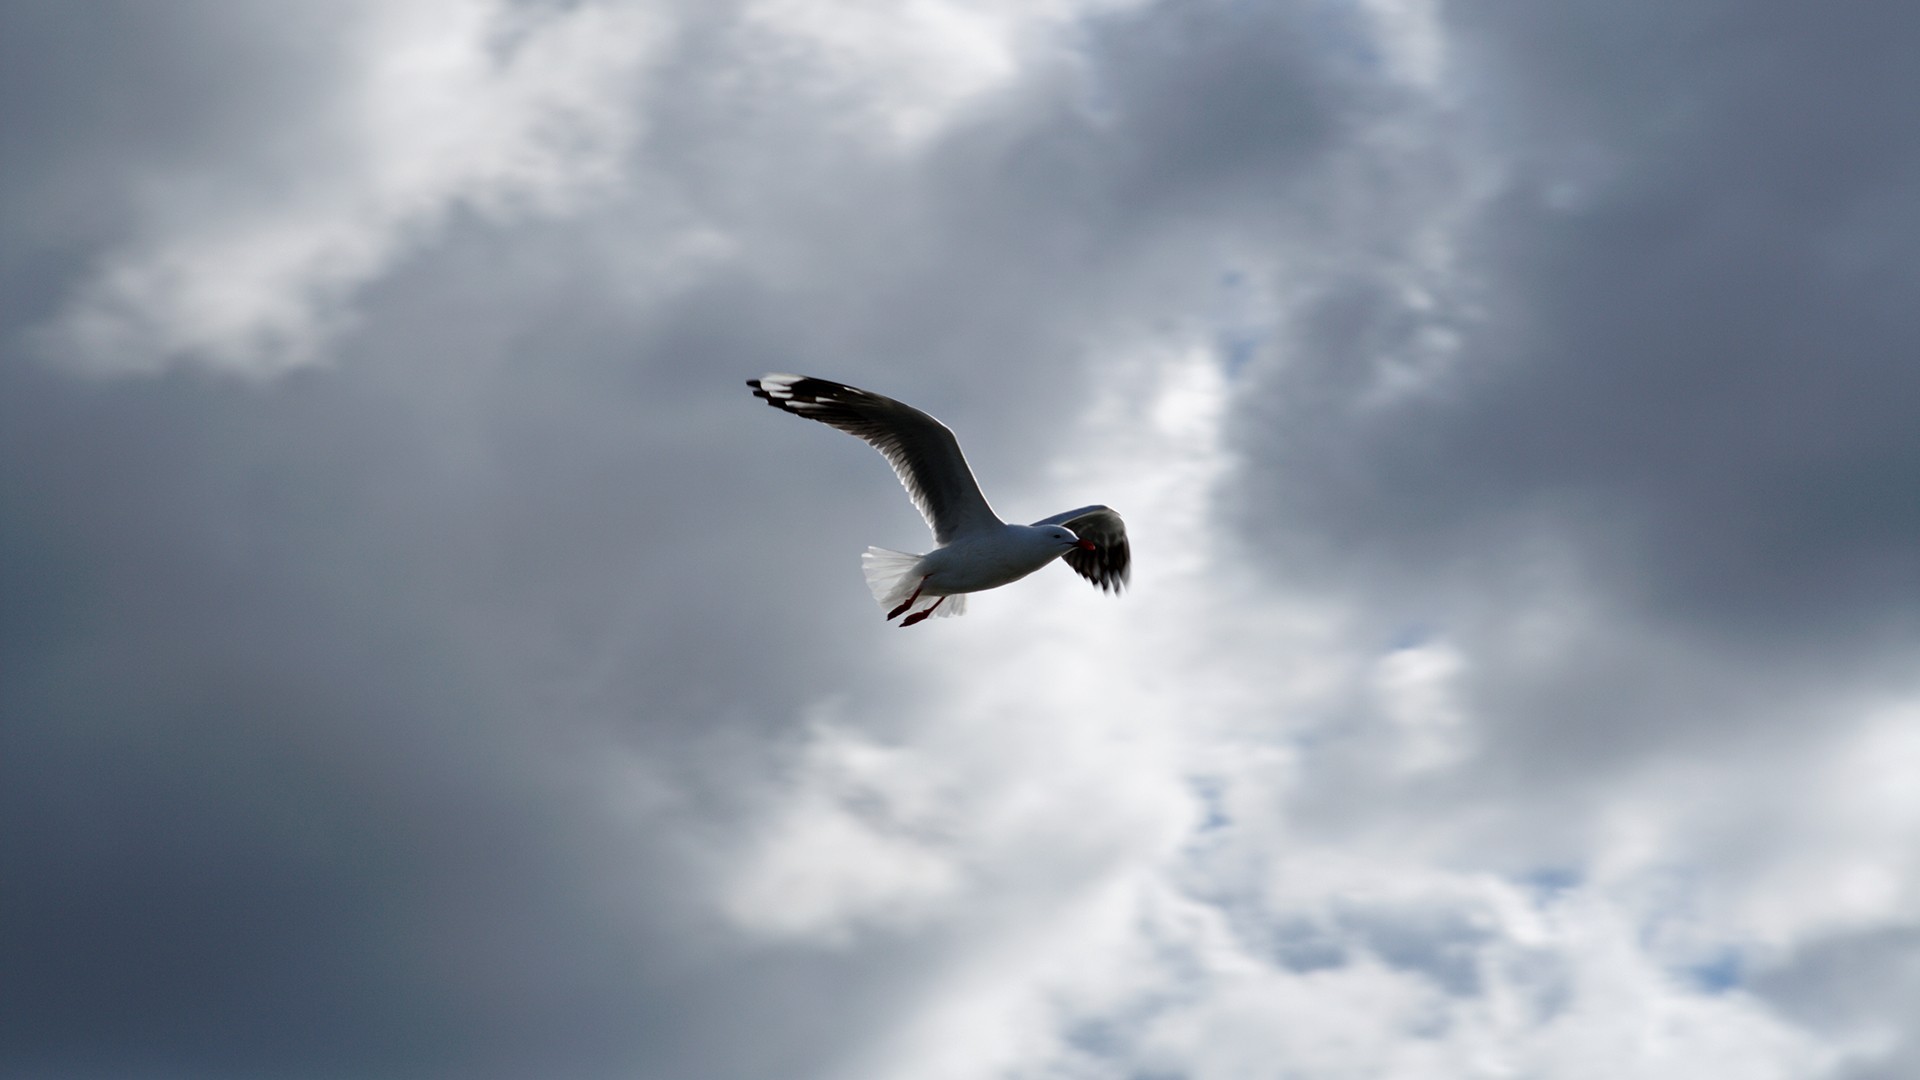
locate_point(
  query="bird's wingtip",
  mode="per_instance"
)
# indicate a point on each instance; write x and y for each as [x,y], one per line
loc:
[775,386]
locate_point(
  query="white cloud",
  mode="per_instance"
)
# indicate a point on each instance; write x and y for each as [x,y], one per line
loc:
[895,74]
[250,264]
[1410,37]
[860,839]
[1416,693]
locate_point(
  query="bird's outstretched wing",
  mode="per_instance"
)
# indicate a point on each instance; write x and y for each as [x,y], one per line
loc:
[1110,564]
[923,453]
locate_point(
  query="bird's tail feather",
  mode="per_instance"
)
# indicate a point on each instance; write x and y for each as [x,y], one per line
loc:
[890,574]
[892,577]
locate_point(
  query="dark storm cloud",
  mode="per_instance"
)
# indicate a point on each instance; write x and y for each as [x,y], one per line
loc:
[271,806]
[1695,362]
[300,680]
[106,99]
[300,706]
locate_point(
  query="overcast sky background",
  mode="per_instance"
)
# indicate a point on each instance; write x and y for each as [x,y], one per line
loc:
[421,657]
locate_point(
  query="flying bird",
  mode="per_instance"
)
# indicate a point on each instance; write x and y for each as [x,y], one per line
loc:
[975,550]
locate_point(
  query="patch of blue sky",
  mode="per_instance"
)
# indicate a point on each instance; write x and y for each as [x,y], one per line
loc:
[1109,1039]
[1720,973]
[1236,350]
[1344,29]
[1303,947]
[1239,331]
[1411,635]
[1211,793]
[1550,883]
[1099,1037]
[1440,944]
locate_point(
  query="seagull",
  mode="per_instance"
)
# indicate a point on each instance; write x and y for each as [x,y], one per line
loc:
[975,550]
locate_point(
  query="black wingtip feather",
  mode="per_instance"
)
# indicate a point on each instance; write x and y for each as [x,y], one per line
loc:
[1108,567]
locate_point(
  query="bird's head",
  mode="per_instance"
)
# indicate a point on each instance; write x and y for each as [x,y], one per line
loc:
[1065,538]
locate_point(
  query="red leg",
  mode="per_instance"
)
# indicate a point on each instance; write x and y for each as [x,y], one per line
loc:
[919,616]
[895,613]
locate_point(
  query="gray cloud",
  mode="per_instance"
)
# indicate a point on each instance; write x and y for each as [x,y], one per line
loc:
[1691,357]
[495,698]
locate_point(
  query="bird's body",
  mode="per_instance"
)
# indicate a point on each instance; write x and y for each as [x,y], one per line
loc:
[977,551]
[976,562]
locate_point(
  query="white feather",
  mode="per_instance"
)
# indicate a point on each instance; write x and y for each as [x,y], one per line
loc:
[893,575]
[890,575]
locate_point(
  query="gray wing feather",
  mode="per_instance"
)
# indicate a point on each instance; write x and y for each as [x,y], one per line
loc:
[1110,564]
[923,453]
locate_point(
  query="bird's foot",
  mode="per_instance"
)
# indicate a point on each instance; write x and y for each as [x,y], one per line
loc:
[895,613]
[921,616]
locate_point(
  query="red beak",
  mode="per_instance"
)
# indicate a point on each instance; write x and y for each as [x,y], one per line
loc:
[1086,545]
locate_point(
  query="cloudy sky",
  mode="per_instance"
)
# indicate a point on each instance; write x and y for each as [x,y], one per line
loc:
[421,657]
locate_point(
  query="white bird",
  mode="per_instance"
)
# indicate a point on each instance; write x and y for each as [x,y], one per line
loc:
[976,550]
